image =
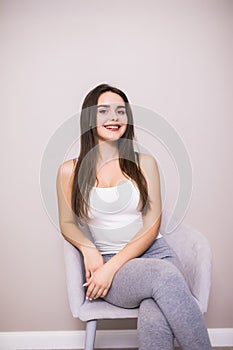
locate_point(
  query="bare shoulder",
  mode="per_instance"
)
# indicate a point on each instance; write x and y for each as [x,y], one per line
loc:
[147,162]
[150,170]
[66,170]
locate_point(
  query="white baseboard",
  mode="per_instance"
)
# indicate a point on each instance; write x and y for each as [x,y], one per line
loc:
[104,339]
[221,336]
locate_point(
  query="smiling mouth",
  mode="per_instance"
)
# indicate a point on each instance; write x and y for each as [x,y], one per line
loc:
[112,127]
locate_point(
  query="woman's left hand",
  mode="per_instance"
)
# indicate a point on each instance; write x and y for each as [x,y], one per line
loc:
[99,283]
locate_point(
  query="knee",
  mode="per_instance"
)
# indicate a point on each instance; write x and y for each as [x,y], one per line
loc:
[169,273]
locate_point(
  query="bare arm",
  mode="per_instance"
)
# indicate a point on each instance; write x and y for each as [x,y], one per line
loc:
[101,280]
[69,229]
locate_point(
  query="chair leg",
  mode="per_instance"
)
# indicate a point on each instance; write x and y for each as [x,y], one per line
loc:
[90,334]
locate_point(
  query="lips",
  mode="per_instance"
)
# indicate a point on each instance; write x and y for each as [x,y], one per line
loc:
[113,127]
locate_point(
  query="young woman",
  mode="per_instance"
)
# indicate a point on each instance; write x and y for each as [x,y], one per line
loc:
[116,191]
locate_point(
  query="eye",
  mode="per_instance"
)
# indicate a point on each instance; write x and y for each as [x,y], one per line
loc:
[121,112]
[102,111]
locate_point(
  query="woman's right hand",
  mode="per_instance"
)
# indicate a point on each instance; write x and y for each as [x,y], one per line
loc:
[92,261]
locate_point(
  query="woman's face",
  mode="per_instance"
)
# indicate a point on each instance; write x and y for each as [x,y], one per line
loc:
[111,117]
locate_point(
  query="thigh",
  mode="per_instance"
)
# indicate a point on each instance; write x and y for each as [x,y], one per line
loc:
[139,279]
[160,249]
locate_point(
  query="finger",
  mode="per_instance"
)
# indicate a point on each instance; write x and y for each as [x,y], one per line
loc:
[104,293]
[99,293]
[88,275]
[94,292]
[86,284]
[88,279]
[89,290]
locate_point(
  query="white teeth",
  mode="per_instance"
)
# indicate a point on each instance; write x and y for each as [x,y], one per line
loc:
[112,127]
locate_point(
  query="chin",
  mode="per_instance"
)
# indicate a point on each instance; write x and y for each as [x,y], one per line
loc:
[114,136]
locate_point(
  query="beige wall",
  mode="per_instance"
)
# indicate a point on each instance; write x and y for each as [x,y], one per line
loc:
[173,57]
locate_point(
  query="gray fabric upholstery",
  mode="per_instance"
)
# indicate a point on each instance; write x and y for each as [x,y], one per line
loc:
[191,247]
[194,252]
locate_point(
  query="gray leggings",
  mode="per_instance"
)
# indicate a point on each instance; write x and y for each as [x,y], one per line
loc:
[156,284]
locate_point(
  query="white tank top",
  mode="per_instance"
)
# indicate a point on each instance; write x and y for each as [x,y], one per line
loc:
[115,217]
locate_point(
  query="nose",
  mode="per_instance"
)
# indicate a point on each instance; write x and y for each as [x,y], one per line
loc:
[114,116]
[114,119]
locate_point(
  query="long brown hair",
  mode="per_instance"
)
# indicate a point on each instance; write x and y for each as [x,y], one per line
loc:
[85,170]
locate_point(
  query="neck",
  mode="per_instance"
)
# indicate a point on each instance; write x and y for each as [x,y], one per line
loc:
[108,150]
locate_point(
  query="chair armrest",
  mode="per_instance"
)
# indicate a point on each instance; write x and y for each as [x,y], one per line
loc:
[74,277]
[194,252]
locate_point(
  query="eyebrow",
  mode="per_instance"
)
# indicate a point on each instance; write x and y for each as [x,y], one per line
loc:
[108,106]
